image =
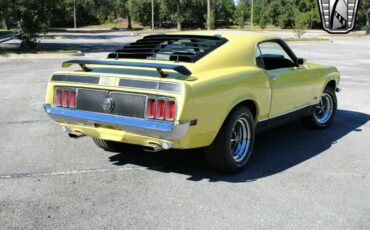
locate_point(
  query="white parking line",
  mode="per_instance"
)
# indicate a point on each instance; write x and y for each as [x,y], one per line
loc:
[71,172]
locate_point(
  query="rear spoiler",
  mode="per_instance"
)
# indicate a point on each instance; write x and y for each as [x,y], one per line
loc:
[178,68]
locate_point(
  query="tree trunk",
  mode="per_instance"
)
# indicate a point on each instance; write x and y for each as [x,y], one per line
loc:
[3,24]
[368,21]
[179,25]
[129,26]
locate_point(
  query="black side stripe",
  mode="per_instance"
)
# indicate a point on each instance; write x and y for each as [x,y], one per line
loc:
[76,78]
[138,84]
[151,85]
[170,87]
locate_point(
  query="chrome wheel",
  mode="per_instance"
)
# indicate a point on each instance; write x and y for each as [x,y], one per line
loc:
[240,139]
[324,109]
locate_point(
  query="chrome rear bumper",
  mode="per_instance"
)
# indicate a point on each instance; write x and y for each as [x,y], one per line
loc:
[144,127]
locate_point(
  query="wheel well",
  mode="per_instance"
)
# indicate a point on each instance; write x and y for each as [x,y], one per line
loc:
[250,105]
[331,84]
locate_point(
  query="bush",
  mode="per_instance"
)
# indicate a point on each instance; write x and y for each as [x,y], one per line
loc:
[240,15]
[300,23]
[34,21]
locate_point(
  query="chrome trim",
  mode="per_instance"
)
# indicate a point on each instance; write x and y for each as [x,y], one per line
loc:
[285,113]
[69,96]
[150,128]
[156,98]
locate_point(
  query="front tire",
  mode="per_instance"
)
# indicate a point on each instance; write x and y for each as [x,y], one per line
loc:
[323,114]
[233,146]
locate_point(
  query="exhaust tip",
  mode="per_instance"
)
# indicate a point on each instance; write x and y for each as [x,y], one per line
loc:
[152,147]
[75,135]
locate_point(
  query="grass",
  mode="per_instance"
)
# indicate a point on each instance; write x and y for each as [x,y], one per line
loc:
[305,39]
[119,25]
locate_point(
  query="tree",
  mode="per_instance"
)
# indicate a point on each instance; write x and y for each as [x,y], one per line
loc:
[177,10]
[368,21]
[141,11]
[240,15]
[8,12]
[34,19]
[300,23]
[363,16]
[223,11]
[122,8]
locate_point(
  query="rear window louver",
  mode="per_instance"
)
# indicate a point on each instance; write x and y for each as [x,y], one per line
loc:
[178,48]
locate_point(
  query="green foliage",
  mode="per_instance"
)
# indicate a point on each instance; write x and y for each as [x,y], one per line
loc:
[36,16]
[300,22]
[34,20]
[363,9]
[141,11]
[176,10]
[223,11]
[240,15]
[212,20]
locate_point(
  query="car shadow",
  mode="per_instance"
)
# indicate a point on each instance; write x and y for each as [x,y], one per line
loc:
[88,36]
[275,151]
[83,47]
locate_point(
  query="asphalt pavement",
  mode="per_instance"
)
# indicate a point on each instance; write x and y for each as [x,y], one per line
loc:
[297,178]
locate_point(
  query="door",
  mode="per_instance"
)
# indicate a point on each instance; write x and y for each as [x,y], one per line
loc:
[290,83]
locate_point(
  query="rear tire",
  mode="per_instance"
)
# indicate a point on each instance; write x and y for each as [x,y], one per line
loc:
[233,146]
[323,114]
[111,146]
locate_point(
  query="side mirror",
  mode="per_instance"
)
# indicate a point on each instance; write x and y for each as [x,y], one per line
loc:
[301,61]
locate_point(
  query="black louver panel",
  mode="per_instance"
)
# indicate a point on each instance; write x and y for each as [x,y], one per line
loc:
[178,48]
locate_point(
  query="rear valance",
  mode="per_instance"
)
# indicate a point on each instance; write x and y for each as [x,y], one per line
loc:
[178,68]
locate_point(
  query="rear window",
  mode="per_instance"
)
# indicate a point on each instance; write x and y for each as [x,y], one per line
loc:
[178,48]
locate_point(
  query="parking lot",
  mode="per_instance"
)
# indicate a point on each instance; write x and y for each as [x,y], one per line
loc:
[297,178]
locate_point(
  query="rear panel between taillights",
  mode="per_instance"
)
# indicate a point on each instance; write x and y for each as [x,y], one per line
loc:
[116,103]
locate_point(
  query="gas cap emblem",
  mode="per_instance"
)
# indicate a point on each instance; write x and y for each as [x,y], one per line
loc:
[108,104]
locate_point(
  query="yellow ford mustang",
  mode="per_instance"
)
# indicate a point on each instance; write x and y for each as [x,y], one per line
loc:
[191,90]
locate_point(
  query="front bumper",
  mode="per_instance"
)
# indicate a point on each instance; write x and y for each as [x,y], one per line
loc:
[144,127]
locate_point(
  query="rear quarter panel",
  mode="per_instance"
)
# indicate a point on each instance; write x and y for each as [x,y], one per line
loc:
[211,97]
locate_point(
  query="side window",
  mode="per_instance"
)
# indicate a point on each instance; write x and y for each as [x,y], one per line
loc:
[274,56]
[259,58]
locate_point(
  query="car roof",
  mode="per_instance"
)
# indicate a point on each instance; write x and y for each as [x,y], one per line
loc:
[231,35]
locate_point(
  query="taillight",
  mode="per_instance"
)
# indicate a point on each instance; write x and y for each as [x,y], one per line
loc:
[65,97]
[170,111]
[161,107]
[150,108]
[72,99]
[58,97]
